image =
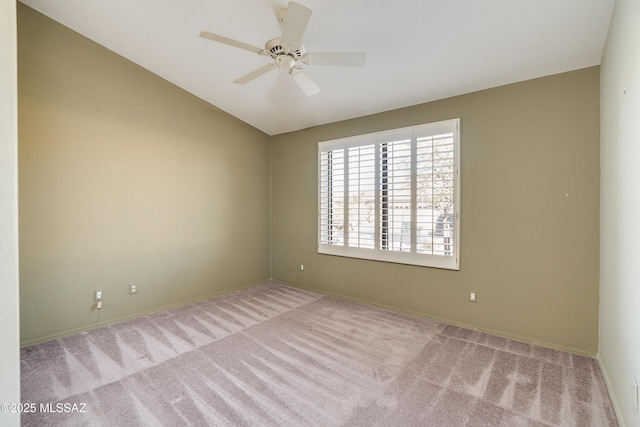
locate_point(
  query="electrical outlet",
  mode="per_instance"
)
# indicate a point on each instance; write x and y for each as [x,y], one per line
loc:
[97,297]
[301,267]
[473,296]
[133,289]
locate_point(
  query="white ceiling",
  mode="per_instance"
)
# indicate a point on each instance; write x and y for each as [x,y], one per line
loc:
[417,50]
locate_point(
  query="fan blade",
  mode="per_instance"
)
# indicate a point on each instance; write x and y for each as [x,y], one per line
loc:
[354,59]
[294,25]
[305,82]
[231,42]
[254,74]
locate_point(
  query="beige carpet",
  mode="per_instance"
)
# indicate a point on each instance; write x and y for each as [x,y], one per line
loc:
[276,355]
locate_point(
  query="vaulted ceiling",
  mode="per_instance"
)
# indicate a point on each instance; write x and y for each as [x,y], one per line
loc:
[417,50]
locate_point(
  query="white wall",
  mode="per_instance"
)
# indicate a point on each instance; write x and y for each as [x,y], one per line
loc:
[9,319]
[620,208]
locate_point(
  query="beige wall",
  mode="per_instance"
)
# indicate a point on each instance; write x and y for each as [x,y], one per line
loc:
[620,209]
[529,221]
[127,178]
[9,317]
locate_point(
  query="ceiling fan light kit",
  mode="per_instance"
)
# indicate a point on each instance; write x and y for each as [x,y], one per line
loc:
[287,50]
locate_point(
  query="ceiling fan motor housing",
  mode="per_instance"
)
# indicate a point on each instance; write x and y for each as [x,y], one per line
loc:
[275,49]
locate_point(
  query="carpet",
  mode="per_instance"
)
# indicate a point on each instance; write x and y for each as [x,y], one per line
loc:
[274,355]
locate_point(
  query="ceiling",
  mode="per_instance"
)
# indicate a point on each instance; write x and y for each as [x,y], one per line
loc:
[417,50]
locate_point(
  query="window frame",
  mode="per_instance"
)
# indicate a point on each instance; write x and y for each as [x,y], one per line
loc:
[412,257]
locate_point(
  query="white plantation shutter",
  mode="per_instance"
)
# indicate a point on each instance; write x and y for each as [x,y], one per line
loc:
[361,196]
[332,181]
[435,194]
[392,196]
[395,195]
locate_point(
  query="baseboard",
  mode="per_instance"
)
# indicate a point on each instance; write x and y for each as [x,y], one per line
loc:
[450,322]
[134,315]
[612,395]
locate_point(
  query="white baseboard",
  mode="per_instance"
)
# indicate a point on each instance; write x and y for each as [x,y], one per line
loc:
[612,394]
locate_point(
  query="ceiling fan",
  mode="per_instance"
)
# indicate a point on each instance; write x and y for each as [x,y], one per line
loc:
[287,50]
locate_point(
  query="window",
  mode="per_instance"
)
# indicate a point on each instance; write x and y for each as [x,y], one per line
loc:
[392,196]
